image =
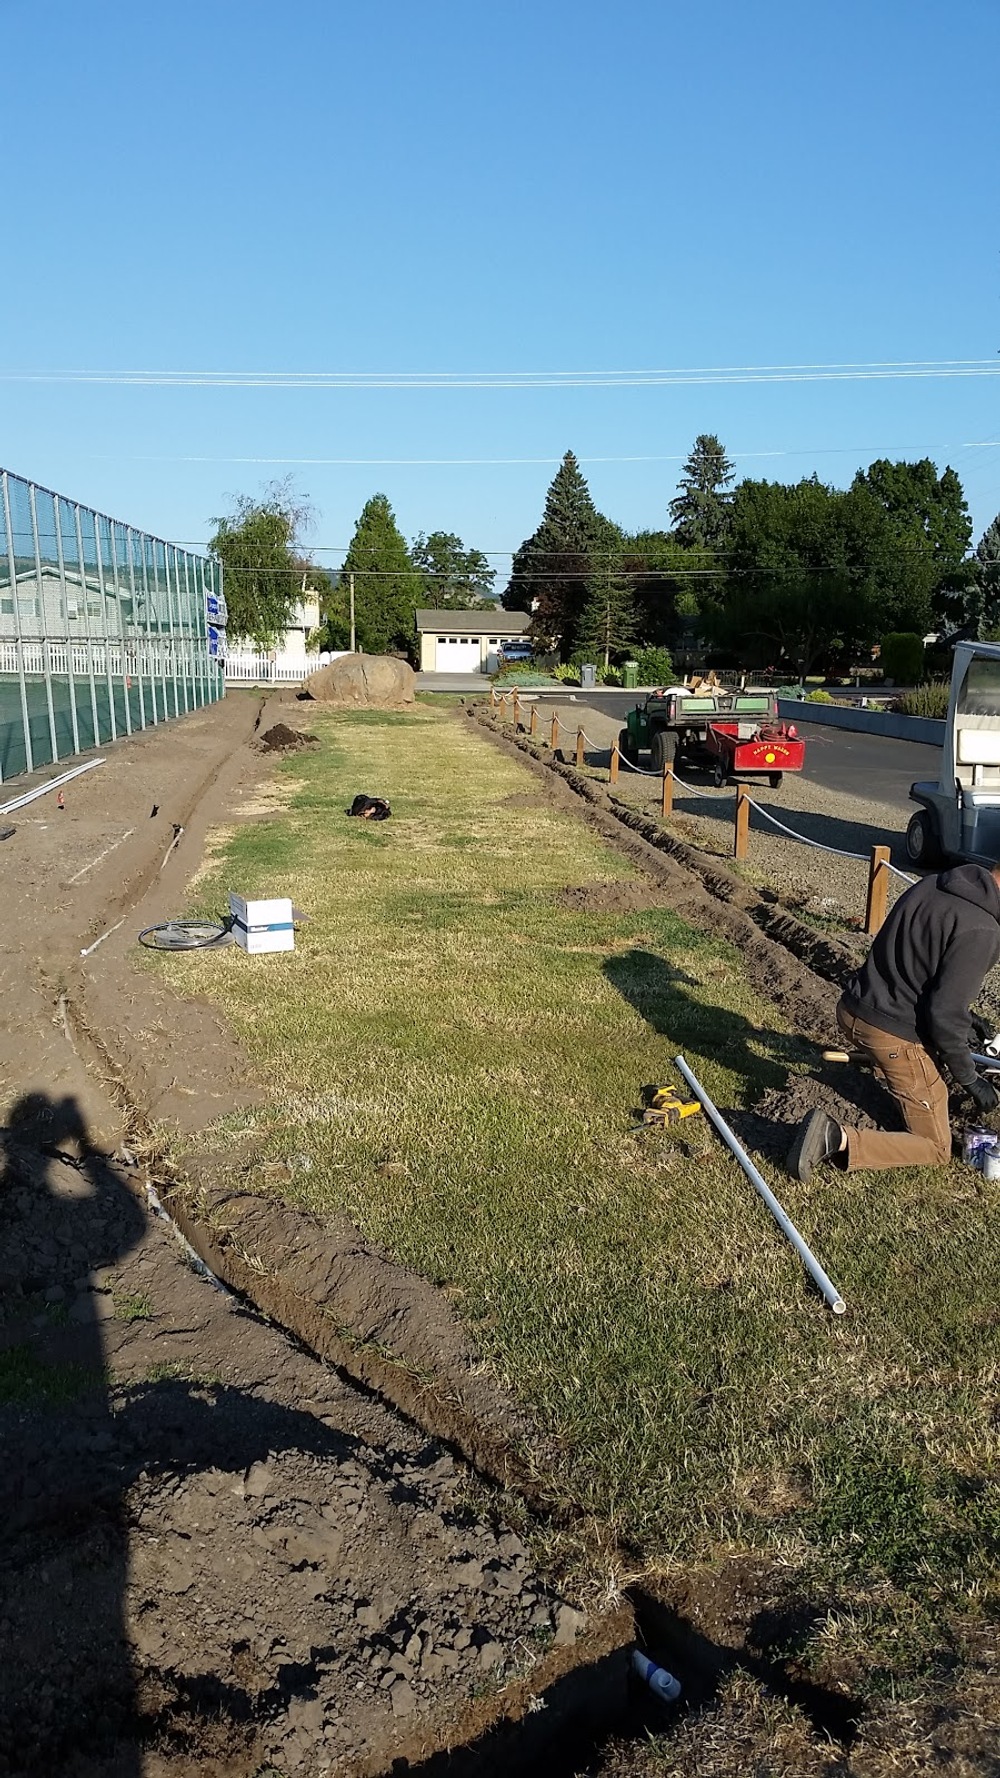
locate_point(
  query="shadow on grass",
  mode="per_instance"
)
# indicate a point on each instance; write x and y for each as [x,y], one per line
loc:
[668,1000]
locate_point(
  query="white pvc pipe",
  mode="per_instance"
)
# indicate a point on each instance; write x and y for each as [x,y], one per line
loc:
[53,784]
[757,1180]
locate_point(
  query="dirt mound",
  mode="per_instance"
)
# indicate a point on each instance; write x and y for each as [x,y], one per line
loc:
[612,898]
[282,739]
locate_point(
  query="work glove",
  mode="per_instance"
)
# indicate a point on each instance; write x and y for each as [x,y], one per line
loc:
[984,1096]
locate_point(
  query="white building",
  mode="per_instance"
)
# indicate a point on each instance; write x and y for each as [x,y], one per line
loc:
[466,641]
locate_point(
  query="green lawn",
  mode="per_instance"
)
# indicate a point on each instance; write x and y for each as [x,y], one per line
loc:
[460,1053]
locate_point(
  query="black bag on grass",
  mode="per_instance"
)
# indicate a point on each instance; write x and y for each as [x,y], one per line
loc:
[370,808]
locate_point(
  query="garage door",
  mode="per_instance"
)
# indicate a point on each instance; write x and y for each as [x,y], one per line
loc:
[458,654]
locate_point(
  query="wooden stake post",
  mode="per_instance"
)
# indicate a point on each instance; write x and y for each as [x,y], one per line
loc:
[516,706]
[554,737]
[877,899]
[613,774]
[580,759]
[741,837]
[533,720]
[667,804]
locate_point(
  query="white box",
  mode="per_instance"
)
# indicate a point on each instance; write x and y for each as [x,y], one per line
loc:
[263,925]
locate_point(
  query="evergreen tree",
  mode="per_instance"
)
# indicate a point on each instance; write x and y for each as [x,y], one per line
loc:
[700,510]
[263,572]
[387,587]
[552,571]
[608,624]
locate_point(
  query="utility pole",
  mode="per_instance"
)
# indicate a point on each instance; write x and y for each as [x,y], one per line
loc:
[350,578]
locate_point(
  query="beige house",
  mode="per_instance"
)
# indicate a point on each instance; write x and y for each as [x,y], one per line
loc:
[466,641]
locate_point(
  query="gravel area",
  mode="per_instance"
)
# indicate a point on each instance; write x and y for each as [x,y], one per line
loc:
[826,889]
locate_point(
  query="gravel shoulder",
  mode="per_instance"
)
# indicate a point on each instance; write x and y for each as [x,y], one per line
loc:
[824,888]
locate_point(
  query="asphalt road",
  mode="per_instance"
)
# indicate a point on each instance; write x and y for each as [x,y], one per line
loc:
[859,765]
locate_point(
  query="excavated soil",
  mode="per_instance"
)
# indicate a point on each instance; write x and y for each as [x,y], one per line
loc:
[282,739]
[612,898]
[219,1553]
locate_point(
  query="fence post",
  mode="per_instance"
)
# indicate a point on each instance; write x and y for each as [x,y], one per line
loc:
[533,720]
[667,804]
[741,838]
[877,899]
[554,737]
[613,773]
[516,707]
[580,760]
[493,697]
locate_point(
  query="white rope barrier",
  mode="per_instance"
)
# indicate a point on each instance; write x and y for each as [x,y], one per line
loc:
[803,838]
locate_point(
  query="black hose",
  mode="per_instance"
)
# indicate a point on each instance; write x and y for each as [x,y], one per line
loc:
[187,935]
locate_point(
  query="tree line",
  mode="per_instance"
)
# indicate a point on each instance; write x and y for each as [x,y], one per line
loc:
[789,575]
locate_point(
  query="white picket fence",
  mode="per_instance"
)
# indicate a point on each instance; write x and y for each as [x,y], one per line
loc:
[243,668]
[141,659]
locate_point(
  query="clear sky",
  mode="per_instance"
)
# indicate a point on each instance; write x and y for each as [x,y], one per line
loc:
[443,186]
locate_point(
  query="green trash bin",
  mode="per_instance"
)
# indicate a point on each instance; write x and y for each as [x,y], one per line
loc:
[630,675]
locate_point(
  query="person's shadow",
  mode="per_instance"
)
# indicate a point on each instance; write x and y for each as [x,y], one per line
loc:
[763,1060]
[74,1445]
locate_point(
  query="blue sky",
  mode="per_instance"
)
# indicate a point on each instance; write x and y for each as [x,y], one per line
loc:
[449,187]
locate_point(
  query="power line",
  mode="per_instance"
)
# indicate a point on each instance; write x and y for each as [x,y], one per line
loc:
[878,370]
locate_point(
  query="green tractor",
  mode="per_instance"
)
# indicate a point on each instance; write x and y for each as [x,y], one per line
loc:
[686,728]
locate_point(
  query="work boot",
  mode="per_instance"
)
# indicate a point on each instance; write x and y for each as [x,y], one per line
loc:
[818,1138]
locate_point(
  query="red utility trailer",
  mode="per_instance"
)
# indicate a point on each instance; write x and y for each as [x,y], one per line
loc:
[766,751]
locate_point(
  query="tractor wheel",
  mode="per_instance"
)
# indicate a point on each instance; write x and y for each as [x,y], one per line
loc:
[719,773]
[662,748]
[774,779]
[922,847]
[626,748]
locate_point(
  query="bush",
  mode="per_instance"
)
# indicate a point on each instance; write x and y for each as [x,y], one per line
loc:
[819,696]
[927,700]
[655,666]
[566,673]
[902,657]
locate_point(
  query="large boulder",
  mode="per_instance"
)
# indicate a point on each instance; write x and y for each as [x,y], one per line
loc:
[363,681]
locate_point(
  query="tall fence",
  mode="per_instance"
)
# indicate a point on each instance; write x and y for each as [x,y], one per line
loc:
[104,630]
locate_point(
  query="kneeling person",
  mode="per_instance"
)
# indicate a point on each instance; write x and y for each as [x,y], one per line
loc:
[907,1009]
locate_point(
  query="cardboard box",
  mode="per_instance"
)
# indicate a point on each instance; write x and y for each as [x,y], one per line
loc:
[261,926]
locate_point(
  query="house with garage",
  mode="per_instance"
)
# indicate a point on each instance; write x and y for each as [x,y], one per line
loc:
[466,641]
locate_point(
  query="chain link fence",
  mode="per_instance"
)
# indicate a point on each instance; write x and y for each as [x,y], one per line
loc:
[104,630]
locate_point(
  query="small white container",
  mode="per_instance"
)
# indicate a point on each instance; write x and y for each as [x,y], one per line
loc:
[260,926]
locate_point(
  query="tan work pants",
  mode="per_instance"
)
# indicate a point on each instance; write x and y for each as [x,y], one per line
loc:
[913,1079]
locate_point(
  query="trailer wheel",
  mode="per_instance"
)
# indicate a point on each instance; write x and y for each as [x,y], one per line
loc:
[922,847]
[662,748]
[719,773]
[774,779]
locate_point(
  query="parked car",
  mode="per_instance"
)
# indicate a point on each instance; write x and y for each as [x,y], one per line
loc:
[515,650]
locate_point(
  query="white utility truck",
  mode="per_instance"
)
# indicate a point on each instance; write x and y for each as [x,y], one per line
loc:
[959,817]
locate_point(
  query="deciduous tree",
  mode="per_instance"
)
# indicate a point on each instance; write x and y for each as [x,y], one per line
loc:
[256,544]
[455,578]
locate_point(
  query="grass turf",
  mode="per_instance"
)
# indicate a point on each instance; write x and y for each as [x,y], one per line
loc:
[458,1053]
